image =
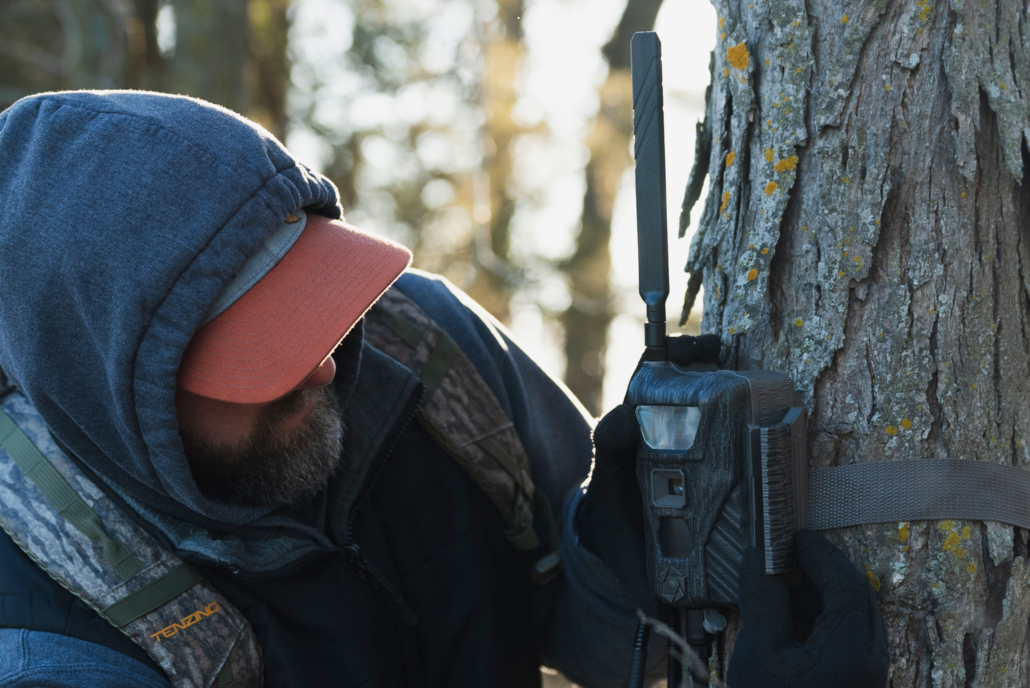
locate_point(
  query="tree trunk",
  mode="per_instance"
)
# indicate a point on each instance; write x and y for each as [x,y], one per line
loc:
[46,46]
[106,44]
[146,65]
[211,50]
[866,232]
[96,41]
[270,64]
[31,50]
[496,278]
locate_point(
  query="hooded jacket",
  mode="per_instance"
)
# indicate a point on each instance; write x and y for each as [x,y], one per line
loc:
[123,216]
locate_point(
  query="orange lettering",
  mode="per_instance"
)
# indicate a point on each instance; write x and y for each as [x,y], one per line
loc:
[187,621]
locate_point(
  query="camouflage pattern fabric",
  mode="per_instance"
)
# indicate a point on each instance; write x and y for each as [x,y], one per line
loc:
[460,411]
[198,638]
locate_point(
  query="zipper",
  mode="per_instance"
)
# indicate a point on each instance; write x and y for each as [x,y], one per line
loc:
[379,463]
[354,555]
[356,558]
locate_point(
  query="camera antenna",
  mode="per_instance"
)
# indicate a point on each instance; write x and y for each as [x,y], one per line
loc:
[649,153]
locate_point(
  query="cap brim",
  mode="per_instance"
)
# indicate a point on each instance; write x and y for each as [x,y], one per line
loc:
[275,335]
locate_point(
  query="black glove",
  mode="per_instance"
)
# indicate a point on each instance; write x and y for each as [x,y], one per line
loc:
[610,520]
[846,644]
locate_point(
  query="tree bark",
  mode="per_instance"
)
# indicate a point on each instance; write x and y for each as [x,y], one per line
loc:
[866,232]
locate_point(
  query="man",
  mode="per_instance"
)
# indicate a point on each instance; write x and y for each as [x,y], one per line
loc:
[174,283]
[184,310]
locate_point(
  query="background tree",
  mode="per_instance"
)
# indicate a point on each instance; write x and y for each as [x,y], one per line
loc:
[61,45]
[210,40]
[865,231]
[233,53]
[398,111]
[588,270]
[495,277]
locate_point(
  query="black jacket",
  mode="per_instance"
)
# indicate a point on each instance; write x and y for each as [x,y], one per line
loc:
[417,538]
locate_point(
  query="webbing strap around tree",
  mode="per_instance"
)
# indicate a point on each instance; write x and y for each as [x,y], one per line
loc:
[67,502]
[918,490]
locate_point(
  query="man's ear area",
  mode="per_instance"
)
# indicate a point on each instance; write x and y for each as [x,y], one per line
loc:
[213,421]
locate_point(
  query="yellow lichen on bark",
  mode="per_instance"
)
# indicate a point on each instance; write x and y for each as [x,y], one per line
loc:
[730,158]
[770,187]
[874,580]
[951,544]
[924,10]
[752,274]
[738,56]
[790,163]
[725,202]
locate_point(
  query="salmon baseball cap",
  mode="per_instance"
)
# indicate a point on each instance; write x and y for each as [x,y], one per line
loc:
[286,310]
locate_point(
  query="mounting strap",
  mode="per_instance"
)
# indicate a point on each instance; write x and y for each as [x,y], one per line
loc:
[918,490]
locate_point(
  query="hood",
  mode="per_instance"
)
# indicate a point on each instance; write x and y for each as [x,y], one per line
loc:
[122,217]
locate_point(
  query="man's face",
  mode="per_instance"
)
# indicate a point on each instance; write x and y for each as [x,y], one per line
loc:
[269,454]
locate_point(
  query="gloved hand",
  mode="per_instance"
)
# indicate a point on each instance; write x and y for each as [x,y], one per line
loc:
[791,640]
[610,520]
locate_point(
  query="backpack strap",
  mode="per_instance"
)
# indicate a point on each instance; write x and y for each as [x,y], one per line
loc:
[72,530]
[466,419]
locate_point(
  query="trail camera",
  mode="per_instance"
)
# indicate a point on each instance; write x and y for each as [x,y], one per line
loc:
[723,463]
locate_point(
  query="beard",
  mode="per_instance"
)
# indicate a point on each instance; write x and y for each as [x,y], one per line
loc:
[270,467]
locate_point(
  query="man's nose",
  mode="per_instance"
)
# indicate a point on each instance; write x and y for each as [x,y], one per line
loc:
[320,376]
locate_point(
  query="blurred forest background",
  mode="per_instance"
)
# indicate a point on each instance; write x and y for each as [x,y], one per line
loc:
[492,137]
